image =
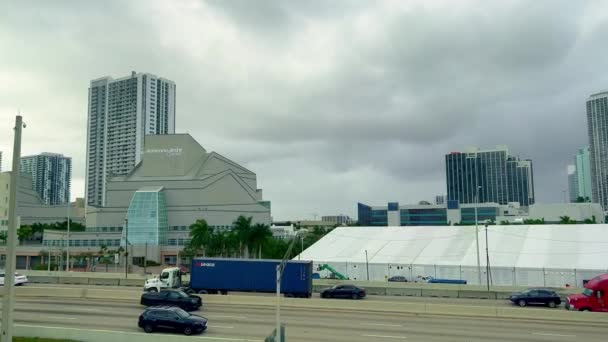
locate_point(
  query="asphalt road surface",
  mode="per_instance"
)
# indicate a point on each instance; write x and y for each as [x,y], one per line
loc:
[253,323]
[404,299]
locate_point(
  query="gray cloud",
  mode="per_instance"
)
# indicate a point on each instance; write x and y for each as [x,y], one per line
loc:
[329,102]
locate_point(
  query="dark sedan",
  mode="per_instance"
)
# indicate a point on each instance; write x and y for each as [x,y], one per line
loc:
[172,319]
[344,291]
[400,279]
[536,297]
[173,298]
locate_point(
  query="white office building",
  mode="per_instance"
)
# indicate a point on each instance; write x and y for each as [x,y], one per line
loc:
[120,113]
[597,128]
[572,183]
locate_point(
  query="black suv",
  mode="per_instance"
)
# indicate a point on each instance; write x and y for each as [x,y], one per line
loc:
[171,297]
[536,297]
[171,318]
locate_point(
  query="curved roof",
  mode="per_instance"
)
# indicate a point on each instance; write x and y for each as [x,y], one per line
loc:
[524,246]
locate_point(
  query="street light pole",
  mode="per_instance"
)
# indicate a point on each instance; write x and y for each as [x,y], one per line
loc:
[487,260]
[126,247]
[367,265]
[8,300]
[477,236]
[67,267]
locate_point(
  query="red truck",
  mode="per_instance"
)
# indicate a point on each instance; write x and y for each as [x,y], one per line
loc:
[593,298]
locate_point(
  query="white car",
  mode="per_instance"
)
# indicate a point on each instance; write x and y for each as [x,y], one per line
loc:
[20,279]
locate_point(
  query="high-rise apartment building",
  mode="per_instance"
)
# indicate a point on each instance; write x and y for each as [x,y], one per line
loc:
[481,176]
[572,183]
[51,176]
[583,173]
[597,129]
[120,113]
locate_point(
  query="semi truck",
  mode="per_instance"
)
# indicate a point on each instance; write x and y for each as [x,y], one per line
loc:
[593,298]
[222,275]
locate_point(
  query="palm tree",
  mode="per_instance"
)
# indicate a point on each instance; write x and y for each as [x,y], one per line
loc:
[242,228]
[260,233]
[200,234]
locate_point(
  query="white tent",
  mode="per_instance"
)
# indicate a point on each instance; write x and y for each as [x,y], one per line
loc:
[519,254]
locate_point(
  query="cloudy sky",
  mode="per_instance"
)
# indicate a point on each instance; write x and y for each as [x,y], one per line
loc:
[329,102]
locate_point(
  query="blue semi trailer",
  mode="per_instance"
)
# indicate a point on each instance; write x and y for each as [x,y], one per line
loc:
[221,275]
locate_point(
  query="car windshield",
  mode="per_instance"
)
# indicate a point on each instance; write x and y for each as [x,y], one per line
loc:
[588,292]
[181,313]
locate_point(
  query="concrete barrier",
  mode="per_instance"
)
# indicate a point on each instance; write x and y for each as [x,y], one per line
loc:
[131,282]
[53,292]
[439,293]
[477,294]
[104,281]
[43,279]
[376,291]
[73,280]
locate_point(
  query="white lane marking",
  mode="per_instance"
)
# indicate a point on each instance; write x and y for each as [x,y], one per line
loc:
[220,326]
[137,333]
[220,316]
[386,336]
[556,335]
[382,324]
[60,317]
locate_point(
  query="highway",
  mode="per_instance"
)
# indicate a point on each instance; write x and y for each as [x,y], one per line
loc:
[252,323]
[406,299]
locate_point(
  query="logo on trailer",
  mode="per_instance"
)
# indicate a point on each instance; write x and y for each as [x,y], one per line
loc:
[205,264]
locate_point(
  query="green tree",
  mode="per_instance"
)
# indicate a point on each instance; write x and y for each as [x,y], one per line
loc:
[566,220]
[24,233]
[200,235]
[242,228]
[259,236]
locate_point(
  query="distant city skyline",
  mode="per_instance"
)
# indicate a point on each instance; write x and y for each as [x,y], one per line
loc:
[368,119]
[489,175]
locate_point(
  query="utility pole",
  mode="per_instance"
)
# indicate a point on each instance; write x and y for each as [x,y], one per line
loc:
[126,248]
[487,259]
[67,267]
[477,236]
[367,265]
[280,268]
[8,300]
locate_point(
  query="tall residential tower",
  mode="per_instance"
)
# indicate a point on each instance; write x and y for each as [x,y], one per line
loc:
[480,176]
[51,176]
[597,128]
[120,113]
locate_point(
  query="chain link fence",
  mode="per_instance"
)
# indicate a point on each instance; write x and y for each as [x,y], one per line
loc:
[500,276]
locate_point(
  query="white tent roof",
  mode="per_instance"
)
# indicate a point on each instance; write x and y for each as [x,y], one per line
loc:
[525,246]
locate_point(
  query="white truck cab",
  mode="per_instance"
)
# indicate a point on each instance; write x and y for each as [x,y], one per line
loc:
[169,278]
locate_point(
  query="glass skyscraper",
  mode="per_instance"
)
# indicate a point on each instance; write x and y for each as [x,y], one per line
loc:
[51,176]
[492,174]
[597,128]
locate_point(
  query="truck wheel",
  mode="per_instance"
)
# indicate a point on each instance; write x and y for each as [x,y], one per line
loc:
[586,309]
[522,303]
[552,304]
[224,292]
[148,328]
